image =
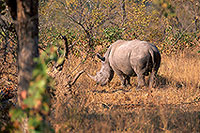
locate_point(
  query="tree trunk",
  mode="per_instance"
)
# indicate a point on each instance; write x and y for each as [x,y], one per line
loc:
[27,33]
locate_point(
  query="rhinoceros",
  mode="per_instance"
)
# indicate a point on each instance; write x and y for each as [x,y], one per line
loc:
[129,58]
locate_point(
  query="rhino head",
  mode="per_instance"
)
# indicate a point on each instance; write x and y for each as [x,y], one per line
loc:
[105,74]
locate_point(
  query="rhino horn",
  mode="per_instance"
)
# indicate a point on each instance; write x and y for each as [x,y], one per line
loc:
[92,77]
[100,57]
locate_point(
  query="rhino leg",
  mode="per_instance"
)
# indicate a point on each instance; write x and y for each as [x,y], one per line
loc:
[151,78]
[140,70]
[122,77]
[128,81]
[125,80]
[141,81]
[153,74]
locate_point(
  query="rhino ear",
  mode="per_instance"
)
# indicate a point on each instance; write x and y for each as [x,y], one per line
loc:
[100,57]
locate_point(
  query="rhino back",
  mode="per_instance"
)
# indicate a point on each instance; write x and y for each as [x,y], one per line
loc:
[129,56]
[112,48]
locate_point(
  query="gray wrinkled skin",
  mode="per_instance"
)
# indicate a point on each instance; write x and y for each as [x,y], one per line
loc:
[129,58]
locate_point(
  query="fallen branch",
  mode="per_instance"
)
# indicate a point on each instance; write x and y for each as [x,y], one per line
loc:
[72,82]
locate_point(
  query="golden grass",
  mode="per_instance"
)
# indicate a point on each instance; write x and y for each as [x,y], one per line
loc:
[183,68]
[173,105]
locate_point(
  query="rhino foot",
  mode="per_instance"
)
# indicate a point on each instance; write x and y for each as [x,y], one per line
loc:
[126,85]
[138,88]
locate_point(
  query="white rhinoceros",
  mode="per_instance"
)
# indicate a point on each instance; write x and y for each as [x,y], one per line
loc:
[129,58]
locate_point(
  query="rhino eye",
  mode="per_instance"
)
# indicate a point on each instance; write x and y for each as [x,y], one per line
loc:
[101,74]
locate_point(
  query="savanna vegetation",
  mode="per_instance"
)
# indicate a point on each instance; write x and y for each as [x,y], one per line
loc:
[60,97]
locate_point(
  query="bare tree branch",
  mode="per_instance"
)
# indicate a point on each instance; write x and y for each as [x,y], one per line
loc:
[72,82]
[123,11]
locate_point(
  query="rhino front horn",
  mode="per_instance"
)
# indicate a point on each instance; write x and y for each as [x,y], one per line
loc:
[92,77]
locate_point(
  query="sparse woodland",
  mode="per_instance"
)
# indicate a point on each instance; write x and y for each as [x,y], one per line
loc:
[59,96]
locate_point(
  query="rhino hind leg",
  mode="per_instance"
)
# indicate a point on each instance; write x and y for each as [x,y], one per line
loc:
[140,71]
[141,81]
[153,74]
[152,77]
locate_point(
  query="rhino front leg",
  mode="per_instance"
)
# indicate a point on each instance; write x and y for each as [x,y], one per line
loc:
[123,79]
[121,76]
[128,81]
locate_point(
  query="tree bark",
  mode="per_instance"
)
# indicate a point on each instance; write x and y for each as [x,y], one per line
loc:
[27,33]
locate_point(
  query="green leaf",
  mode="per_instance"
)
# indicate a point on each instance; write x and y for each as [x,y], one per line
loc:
[34,121]
[17,114]
[60,60]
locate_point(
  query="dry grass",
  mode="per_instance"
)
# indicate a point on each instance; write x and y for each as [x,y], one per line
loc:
[173,105]
[182,69]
